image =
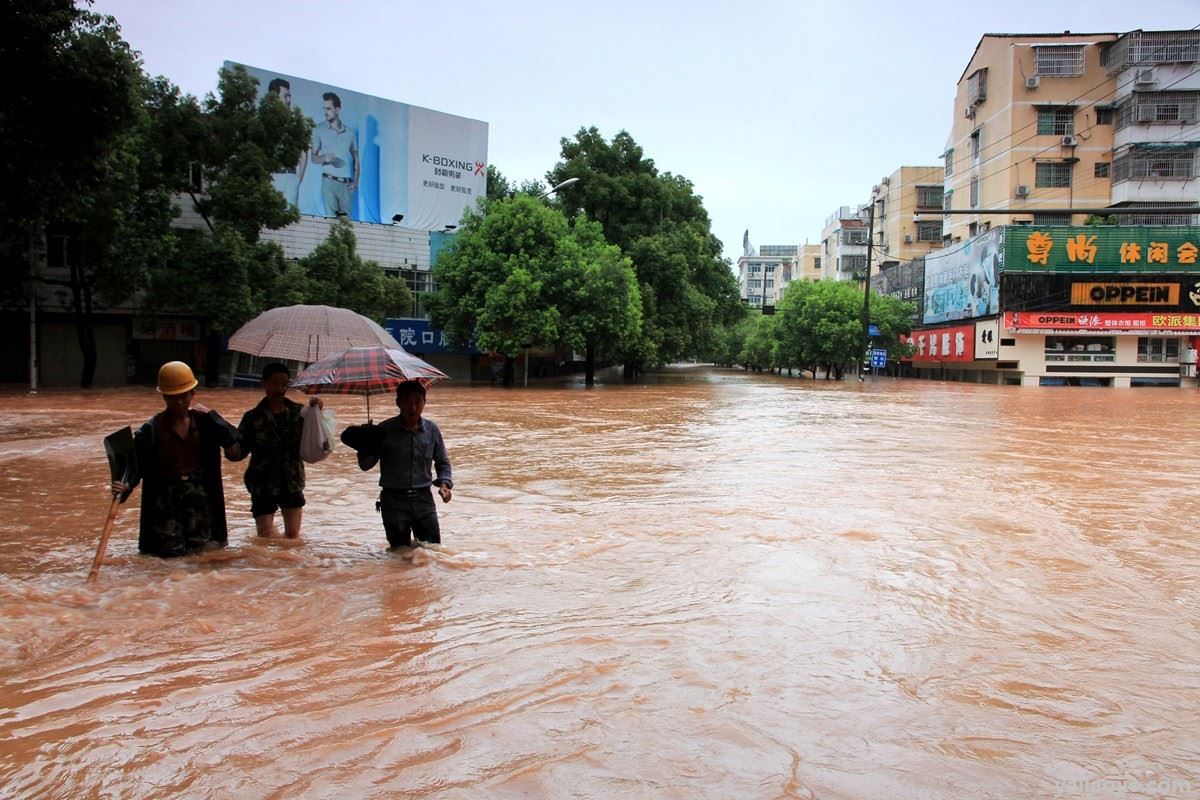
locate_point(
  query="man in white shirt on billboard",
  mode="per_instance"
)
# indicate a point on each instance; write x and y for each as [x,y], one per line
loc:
[335,149]
[287,181]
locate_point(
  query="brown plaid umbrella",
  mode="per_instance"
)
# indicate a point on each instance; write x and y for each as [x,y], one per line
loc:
[307,333]
[367,371]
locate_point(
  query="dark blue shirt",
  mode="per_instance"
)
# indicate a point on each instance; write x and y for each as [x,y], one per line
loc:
[407,458]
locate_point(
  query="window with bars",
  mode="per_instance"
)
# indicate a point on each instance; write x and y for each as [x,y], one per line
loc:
[1051,219]
[1101,169]
[1164,107]
[949,162]
[974,193]
[1052,175]
[929,231]
[854,263]
[1141,163]
[1104,116]
[976,138]
[854,236]
[977,87]
[1056,121]
[929,196]
[1058,60]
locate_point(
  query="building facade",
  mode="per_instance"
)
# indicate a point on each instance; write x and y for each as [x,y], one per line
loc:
[899,200]
[844,244]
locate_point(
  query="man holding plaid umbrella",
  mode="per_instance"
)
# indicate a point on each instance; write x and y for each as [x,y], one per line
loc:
[408,448]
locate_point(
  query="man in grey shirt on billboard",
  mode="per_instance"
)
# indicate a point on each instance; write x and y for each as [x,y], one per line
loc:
[335,149]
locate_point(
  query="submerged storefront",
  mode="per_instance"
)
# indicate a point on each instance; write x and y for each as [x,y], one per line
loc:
[1083,306]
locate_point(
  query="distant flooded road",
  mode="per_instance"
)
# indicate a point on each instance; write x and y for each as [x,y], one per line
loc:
[715,585]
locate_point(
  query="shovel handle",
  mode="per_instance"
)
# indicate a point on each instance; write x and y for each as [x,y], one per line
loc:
[108,525]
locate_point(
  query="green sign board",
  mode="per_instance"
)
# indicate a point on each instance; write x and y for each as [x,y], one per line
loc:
[1150,249]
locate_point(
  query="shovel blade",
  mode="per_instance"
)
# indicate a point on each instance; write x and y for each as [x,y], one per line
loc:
[118,446]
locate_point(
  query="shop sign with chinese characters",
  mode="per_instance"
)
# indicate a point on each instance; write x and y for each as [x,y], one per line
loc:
[1102,249]
[166,330]
[954,343]
[1114,323]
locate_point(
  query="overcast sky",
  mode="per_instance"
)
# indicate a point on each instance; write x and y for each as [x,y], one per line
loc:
[778,112]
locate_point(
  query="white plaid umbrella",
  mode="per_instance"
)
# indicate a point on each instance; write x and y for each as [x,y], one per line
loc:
[308,333]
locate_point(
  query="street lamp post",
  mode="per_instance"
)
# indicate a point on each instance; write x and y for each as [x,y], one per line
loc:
[554,189]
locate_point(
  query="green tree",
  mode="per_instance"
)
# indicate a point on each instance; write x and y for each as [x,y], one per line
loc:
[820,324]
[761,347]
[519,274]
[334,274]
[686,287]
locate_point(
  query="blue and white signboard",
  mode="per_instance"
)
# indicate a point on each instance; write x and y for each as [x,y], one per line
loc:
[419,337]
[878,358]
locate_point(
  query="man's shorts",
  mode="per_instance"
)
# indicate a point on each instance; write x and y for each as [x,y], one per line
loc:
[262,504]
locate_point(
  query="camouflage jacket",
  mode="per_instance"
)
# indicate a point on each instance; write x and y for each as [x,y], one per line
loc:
[273,444]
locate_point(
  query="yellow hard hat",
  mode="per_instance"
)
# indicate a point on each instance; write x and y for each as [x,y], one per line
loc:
[175,377]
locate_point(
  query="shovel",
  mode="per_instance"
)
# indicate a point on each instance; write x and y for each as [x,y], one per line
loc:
[118,446]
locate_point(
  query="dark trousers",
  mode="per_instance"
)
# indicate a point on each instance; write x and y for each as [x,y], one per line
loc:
[407,513]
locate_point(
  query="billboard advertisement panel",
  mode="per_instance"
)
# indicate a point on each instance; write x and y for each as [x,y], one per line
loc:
[1167,248]
[962,282]
[1023,291]
[951,343]
[1161,324]
[373,159]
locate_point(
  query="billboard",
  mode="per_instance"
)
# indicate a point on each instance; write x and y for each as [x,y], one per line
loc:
[1162,324]
[950,343]
[1167,248]
[962,282]
[1022,291]
[373,159]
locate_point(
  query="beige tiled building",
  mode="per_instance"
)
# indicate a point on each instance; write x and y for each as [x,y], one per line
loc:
[899,199]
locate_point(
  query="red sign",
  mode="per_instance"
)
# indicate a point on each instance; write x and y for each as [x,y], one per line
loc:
[1055,321]
[954,343]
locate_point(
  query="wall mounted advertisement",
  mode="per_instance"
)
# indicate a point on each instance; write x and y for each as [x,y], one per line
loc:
[952,343]
[987,339]
[1168,248]
[1161,324]
[962,282]
[373,159]
[1078,291]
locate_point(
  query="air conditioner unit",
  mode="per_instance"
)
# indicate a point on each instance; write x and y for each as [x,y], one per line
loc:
[1144,76]
[1022,190]
[908,238]
[885,181]
[969,112]
[875,189]
[1069,141]
[1033,83]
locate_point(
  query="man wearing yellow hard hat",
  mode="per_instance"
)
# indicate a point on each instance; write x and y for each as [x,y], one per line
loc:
[178,457]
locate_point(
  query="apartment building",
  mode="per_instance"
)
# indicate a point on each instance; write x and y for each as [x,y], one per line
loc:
[1032,131]
[765,271]
[844,244]
[899,200]
[1156,132]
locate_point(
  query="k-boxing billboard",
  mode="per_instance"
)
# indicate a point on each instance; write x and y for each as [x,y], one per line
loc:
[373,159]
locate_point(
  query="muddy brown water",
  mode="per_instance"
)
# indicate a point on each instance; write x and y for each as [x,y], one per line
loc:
[712,585]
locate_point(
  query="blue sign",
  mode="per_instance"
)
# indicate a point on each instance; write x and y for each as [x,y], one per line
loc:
[419,337]
[872,330]
[879,358]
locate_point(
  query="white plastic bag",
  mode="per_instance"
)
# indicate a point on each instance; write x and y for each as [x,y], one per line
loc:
[317,438]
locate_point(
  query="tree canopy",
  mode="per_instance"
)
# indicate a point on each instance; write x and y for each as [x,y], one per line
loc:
[520,274]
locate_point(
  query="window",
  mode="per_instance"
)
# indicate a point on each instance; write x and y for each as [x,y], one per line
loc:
[854,236]
[1151,216]
[1104,116]
[196,176]
[1052,175]
[1058,60]
[1081,348]
[948,200]
[1051,219]
[974,192]
[976,136]
[1155,163]
[1102,169]
[816,262]
[1056,121]
[854,263]
[1153,350]
[977,87]
[929,196]
[1160,107]
[949,162]
[929,231]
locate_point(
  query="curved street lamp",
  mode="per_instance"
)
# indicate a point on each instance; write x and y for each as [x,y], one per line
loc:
[554,189]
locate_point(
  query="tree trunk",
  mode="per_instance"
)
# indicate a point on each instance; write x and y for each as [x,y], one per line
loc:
[589,365]
[508,369]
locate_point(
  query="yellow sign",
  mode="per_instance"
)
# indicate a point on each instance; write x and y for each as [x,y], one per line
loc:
[1124,294]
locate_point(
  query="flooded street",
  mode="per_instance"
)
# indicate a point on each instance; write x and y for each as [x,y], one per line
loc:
[715,585]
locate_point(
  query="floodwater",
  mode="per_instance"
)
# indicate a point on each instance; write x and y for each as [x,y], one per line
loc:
[714,585]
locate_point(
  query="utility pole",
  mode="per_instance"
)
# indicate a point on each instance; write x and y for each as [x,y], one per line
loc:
[866,312]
